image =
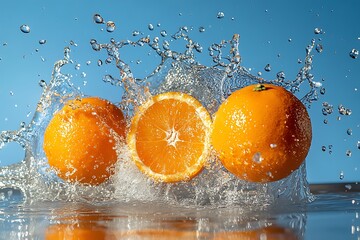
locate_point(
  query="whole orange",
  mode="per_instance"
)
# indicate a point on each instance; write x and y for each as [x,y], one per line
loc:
[262,133]
[80,140]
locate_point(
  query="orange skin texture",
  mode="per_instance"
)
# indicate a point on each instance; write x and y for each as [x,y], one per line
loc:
[80,140]
[262,136]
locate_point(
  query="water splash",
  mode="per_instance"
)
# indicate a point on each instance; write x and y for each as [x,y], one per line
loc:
[177,71]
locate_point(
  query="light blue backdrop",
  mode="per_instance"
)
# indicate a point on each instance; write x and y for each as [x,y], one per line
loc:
[274,32]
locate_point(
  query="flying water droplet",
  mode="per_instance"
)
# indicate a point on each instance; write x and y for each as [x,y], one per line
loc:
[341,175]
[99,62]
[354,53]
[201,29]
[42,83]
[267,67]
[280,76]
[319,48]
[98,19]
[135,33]
[348,186]
[322,90]
[77,66]
[349,131]
[83,74]
[358,144]
[348,153]
[318,31]
[273,145]
[150,27]
[323,148]
[88,62]
[25,28]
[163,33]
[220,15]
[42,41]
[110,26]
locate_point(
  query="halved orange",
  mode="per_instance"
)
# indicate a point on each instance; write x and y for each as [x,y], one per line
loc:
[169,137]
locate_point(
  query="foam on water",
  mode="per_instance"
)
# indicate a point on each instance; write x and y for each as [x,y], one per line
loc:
[176,72]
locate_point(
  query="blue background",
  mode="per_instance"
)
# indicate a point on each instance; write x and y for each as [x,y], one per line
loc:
[265,28]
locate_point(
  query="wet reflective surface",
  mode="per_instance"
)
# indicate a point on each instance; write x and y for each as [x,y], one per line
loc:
[333,215]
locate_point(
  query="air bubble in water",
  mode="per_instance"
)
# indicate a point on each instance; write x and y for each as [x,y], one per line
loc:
[42,41]
[354,53]
[348,153]
[349,131]
[25,28]
[267,67]
[201,29]
[150,27]
[220,15]
[110,26]
[98,19]
[163,33]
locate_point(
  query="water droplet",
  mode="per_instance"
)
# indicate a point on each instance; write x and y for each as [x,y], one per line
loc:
[163,33]
[257,157]
[201,29]
[159,24]
[299,61]
[358,144]
[42,41]
[343,110]
[349,131]
[280,76]
[341,175]
[289,40]
[348,153]
[348,186]
[267,67]
[25,28]
[259,73]
[319,48]
[150,27]
[83,74]
[138,61]
[220,15]
[273,145]
[354,53]
[135,33]
[325,121]
[232,19]
[72,43]
[98,19]
[42,83]
[110,26]
[323,148]
[88,62]
[77,66]
[322,90]
[317,30]
[99,62]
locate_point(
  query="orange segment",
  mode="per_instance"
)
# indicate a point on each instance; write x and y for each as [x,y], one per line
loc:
[80,140]
[169,137]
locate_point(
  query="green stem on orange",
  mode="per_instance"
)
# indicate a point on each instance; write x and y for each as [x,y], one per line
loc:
[259,87]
